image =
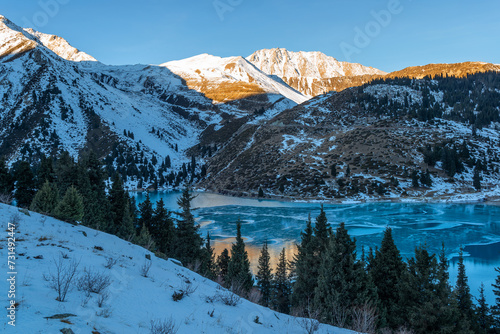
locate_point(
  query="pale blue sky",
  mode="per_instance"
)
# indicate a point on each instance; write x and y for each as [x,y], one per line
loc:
[157,31]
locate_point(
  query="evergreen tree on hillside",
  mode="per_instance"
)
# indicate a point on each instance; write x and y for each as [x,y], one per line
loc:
[239,275]
[281,286]
[264,275]
[118,202]
[483,314]
[462,291]
[322,232]
[25,184]
[6,181]
[340,283]
[93,189]
[495,309]
[163,229]
[66,172]
[222,266]
[476,179]
[45,171]
[387,267]
[188,241]
[208,267]
[306,263]
[46,199]
[146,214]
[70,208]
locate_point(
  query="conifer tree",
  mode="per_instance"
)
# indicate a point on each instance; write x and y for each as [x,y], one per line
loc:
[238,274]
[386,269]
[118,200]
[145,239]
[188,241]
[322,232]
[70,208]
[126,229]
[66,172]
[45,171]
[340,287]
[163,228]
[93,189]
[483,313]
[222,266]
[208,260]
[146,214]
[264,275]
[6,181]
[305,263]
[281,285]
[46,199]
[462,290]
[476,179]
[495,309]
[25,184]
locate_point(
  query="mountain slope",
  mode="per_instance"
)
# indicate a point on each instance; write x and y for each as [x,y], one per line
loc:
[227,79]
[308,72]
[131,301]
[374,137]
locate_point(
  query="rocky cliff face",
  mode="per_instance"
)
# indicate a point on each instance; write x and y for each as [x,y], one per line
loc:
[311,73]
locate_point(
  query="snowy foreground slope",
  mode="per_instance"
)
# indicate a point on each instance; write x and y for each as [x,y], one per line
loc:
[133,300]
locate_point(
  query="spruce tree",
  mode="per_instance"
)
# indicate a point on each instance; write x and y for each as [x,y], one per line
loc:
[281,286]
[462,290]
[239,275]
[306,263]
[6,181]
[483,313]
[126,229]
[70,208]
[476,179]
[45,171]
[188,241]
[146,214]
[25,184]
[386,269]
[322,232]
[208,268]
[66,172]
[340,286]
[46,199]
[163,228]
[222,266]
[495,309]
[264,275]
[93,189]
[118,200]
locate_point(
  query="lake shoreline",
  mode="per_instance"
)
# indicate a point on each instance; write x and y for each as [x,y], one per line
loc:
[487,198]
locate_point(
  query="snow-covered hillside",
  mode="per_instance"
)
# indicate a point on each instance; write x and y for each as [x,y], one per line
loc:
[131,301]
[305,70]
[226,79]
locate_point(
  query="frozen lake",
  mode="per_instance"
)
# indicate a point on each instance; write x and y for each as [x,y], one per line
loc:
[475,226]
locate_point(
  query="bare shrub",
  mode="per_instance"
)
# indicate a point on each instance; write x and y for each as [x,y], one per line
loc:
[309,325]
[144,270]
[93,282]
[110,262]
[15,219]
[339,316]
[364,318]
[105,313]
[163,326]
[62,276]
[5,198]
[102,299]
[187,288]
[228,298]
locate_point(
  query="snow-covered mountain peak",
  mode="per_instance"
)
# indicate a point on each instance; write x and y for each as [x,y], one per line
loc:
[60,46]
[305,71]
[230,78]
